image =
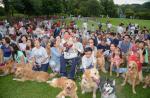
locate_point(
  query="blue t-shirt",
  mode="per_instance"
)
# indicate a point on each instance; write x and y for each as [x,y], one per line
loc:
[6,51]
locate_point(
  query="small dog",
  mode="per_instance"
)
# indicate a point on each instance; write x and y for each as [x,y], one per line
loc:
[68,87]
[107,88]
[23,74]
[131,75]
[147,81]
[7,68]
[101,61]
[90,81]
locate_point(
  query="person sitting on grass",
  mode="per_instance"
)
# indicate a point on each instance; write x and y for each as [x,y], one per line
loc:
[88,60]
[6,49]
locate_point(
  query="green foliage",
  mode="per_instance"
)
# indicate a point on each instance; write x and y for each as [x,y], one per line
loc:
[2,12]
[109,8]
[75,7]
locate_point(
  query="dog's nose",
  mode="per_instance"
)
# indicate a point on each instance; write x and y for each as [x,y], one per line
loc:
[68,87]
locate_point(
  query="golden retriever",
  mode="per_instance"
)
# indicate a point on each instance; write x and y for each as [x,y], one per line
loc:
[90,81]
[7,68]
[131,75]
[23,74]
[101,61]
[147,81]
[1,56]
[68,87]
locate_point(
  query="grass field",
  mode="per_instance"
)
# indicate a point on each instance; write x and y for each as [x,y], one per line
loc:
[14,89]
[115,22]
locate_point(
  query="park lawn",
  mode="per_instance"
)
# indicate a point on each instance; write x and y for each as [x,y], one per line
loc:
[14,89]
[117,21]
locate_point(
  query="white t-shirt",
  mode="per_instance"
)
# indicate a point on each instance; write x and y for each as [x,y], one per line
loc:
[23,31]
[22,46]
[109,25]
[87,62]
[120,29]
[40,54]
[12,30]
[85,25]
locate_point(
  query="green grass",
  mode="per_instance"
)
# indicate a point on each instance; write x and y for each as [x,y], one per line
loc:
[117,21]
[14,89]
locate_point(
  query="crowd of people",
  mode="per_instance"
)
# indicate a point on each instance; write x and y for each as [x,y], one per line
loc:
[55,44]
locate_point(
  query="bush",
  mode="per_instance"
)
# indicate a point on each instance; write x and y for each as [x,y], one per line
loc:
[2,12]
[143,15]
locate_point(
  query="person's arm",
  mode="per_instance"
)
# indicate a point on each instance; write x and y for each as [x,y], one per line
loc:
[56,53]
[141,56]
[22,60]
[94,62]
[84,64]
[80,48]
[45,56]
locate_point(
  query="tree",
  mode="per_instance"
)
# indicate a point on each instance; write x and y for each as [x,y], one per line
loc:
[51,6]
[109,8]
[7,9]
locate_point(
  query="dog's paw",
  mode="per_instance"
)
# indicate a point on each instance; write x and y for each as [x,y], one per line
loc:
[15,79]
[123,84]
[83,92]
[94,96]
[144,86]
[134,92]
[49,82]
[63,97]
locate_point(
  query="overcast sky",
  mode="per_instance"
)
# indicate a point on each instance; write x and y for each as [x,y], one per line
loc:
[129,1]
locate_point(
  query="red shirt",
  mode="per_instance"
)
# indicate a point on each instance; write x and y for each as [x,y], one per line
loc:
[134,57]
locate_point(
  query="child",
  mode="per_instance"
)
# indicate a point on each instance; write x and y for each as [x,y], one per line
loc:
[88,60]
[116,60]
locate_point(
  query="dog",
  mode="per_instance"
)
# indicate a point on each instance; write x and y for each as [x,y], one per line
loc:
[90,81]
[147,81]
[7,68]
[107,88]
[23,74]
[131,75]
[1,56]
[68,87]
[101,61]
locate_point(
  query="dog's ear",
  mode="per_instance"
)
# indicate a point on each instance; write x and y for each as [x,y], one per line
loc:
[87,72]
[74,86]
[135,65]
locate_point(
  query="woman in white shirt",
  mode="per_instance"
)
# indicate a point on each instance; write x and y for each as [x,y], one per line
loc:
[40,57]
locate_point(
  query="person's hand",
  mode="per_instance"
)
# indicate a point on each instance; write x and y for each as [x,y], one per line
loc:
[140,51]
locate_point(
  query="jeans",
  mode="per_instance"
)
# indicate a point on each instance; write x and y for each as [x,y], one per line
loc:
[43,67]
[63,70]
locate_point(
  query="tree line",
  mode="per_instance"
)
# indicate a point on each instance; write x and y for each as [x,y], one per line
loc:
[87,8]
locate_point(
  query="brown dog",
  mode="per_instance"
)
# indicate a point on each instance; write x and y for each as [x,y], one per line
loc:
[1,56]
[147,81]
[90,81]
[132,75]
[101,61]
[7,68]
[23,74]
[69,87]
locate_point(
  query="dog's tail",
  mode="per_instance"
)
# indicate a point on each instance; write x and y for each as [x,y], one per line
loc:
[52,82]
[52,75]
